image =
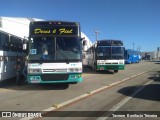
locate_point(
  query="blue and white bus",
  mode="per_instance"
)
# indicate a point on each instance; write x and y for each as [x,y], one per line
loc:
[55,52]
[132,56]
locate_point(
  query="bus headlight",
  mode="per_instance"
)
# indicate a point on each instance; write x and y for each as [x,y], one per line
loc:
[100,63]
[121,62]
[78,69]
[74,69]
[34,71]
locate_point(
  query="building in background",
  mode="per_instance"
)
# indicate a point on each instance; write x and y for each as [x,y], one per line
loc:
[151,55]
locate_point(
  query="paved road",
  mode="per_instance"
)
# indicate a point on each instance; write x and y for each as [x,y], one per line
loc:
[79,97]
[137,95]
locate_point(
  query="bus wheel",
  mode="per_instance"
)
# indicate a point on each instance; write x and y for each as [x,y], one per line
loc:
[116,71]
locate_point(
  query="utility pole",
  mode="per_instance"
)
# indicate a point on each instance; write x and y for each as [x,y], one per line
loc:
[139,48]
[97,33]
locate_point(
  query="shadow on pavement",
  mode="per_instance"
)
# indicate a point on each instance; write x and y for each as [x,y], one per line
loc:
[89,70]
[11,85]
[150,92]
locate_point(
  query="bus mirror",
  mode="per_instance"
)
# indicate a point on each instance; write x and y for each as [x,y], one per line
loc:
[82,38]
[84,42]
[24,46]
[95,45]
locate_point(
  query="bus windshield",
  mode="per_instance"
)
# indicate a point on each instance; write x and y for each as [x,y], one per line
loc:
[55,49]
[113,52]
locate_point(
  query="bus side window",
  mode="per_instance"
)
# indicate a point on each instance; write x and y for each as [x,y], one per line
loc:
[16,44]
[5,42]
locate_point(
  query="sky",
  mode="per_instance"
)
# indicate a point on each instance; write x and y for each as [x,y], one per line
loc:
[135,22]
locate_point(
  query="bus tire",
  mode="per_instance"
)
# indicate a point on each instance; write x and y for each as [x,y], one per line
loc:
[115,71]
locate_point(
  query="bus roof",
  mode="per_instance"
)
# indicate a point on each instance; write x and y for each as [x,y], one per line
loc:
[108,40]
[39,23]
[10,34]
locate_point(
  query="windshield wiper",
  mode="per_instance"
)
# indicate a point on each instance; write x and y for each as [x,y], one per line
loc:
[66,58]
[117,56]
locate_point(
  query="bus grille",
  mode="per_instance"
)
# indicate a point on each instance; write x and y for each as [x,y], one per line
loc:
[54,77]
[111,63]
[54,70]
[114,67]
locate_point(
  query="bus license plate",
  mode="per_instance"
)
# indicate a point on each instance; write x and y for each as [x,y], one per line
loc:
[101,68]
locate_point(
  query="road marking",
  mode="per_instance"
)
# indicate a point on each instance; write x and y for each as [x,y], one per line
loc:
[69,101]
[124,101]
[98,90]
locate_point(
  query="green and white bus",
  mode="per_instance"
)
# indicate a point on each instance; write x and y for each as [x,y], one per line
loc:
[54,52]
[106,55]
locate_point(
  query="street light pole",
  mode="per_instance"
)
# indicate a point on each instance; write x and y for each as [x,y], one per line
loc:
[96,32]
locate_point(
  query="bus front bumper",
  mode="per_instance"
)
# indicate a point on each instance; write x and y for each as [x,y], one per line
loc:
[54,78]
[111,67]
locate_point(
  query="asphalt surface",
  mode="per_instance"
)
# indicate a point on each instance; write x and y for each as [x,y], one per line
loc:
[37,97]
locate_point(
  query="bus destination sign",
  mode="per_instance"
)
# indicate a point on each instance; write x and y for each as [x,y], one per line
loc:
[54,31]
